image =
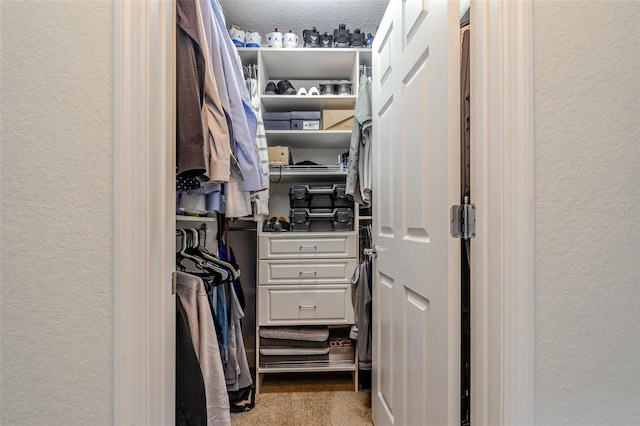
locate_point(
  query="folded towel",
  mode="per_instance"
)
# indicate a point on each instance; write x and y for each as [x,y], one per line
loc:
[275,360]
[265,341]
[313,334]
[293,351]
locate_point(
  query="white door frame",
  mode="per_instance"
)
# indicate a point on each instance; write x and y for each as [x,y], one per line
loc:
[144,206]
[144,225]
[502,274]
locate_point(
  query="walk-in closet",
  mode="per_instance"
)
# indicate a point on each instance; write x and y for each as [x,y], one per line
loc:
[315,154]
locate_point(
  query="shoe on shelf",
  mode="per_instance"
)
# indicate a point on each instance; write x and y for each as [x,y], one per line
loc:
[369,40]
[252,39]
[290,39]
[326,40]
[357,38]
[311,37]
[341,36]
[344,87]
[276,224]
[302,91]
[237,36]
[327,88]
[285,88]
[271,89]
[274,39]
[313,91]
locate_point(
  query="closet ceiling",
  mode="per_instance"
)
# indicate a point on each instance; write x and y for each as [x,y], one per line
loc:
[297,15]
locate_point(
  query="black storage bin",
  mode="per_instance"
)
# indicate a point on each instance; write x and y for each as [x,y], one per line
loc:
[318,196]
[321,220]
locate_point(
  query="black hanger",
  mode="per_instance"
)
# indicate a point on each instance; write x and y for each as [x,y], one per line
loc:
[231,267]
[187,252]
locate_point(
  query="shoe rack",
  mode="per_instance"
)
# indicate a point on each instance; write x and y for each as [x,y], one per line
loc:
[304,277]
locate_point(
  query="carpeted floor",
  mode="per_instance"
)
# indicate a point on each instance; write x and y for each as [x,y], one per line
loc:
[309,401]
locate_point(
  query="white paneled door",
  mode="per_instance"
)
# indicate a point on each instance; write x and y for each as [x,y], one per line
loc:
[416,311]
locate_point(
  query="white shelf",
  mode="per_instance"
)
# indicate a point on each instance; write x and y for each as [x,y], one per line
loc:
[180,218]
[309,138]
[249,55]
[310,63]
[286,174]
[305,67]
[309,367]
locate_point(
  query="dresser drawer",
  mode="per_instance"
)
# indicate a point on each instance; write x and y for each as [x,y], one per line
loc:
[314,271]
[302,245]
[287,305]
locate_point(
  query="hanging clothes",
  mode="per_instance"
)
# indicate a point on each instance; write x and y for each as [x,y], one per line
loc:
[225,368]
[190,73]
[259,199]
[237,373]
[244,121]
[218,302]
[361,299]
[217,142]
[358,184]
[193,298]
[191,403]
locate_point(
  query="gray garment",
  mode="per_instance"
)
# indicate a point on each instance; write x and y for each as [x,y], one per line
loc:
[236,370]
[194,300]
[358,185]
[190,70]
[361,298]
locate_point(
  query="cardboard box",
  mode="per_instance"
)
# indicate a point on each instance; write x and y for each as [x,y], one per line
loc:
[337,119]
[279,156]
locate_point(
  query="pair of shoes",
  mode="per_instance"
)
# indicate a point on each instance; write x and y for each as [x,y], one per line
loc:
[284,87]
[340,87]
[343,38]
[244,39]
[312,91]
[313,38]
[276,224]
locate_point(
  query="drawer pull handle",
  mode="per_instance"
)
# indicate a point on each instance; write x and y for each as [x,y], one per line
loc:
[307,307]
[314,248]
[308,273]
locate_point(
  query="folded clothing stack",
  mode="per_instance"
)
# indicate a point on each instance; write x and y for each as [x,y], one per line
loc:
[282,345]
[293,344]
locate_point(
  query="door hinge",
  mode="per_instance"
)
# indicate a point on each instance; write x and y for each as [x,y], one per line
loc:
[174,278]
[463,220]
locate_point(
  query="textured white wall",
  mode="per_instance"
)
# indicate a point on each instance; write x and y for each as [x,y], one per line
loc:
[57,213]
[587,162]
